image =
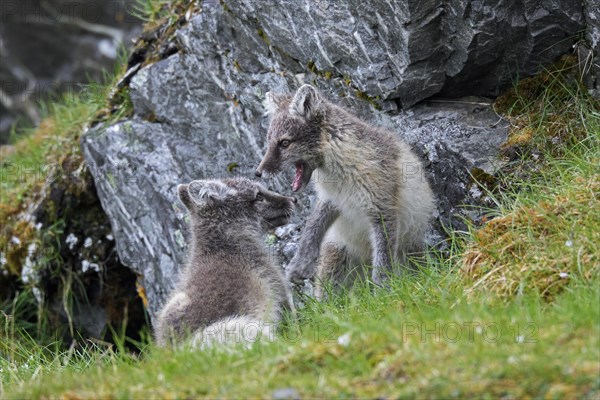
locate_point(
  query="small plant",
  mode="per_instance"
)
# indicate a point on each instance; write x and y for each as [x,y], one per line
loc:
[150,10]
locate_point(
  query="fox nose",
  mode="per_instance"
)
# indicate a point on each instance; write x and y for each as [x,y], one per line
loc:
[258,173]
[294,200]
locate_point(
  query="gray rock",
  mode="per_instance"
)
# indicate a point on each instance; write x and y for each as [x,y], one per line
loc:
[289,250]
[199,114]
[409,51]
[285,231]
[286,394]
[589,53]
[492,43]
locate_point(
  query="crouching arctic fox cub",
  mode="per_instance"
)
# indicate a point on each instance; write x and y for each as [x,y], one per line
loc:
[374,202]
[230,290]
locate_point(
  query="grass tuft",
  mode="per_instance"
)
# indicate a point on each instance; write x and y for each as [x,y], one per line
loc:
[546,230]
[550,111]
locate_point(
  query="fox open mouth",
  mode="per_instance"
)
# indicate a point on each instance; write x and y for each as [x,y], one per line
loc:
[302,175]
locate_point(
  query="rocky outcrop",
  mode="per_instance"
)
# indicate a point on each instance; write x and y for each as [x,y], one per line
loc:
[198,113]
[589,52]
[409,51]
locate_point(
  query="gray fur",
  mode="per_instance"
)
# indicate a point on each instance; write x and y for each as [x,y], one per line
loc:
[374,202]
[230,278]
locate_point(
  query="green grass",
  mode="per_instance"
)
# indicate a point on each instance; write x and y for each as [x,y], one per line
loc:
[48,154]
[546,231]
[546,227]
[401,342]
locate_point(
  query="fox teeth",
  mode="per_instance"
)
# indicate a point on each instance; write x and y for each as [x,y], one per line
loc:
[297,183]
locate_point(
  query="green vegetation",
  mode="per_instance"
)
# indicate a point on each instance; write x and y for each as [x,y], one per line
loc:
[40,174]
[422,337]
[48,158]
[261,33]
[47,154]
[546,225]
[373,100]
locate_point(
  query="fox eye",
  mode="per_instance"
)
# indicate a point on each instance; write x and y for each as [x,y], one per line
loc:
[260,197]
[285,143]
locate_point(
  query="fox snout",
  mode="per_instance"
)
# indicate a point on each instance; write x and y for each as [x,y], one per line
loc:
[283,200]
[269,163]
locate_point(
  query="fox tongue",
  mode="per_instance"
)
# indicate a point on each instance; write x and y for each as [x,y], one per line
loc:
[297,183]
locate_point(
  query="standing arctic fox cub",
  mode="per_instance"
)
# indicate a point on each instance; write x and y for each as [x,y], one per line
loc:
[374,203]
[230,289]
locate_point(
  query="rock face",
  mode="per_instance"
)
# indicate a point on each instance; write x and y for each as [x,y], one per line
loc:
[199,114]
[591,51]
[50,47]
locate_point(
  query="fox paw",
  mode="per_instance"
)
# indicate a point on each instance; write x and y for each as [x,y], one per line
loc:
[298,273]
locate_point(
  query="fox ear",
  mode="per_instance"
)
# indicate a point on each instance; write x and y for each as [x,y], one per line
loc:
[184,196]
[205,193]
[272,102]
[202,193]
[306,102]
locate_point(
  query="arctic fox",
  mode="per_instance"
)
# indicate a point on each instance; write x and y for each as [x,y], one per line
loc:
[374,202]
[230,289]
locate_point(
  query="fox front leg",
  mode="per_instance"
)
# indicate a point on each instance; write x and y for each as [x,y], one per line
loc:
[288,303]
[383,239]
[304,264]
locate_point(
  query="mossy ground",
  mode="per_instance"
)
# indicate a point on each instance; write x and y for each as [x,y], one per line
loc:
[48,157]
[545,229]
[44,156]
[47,193]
